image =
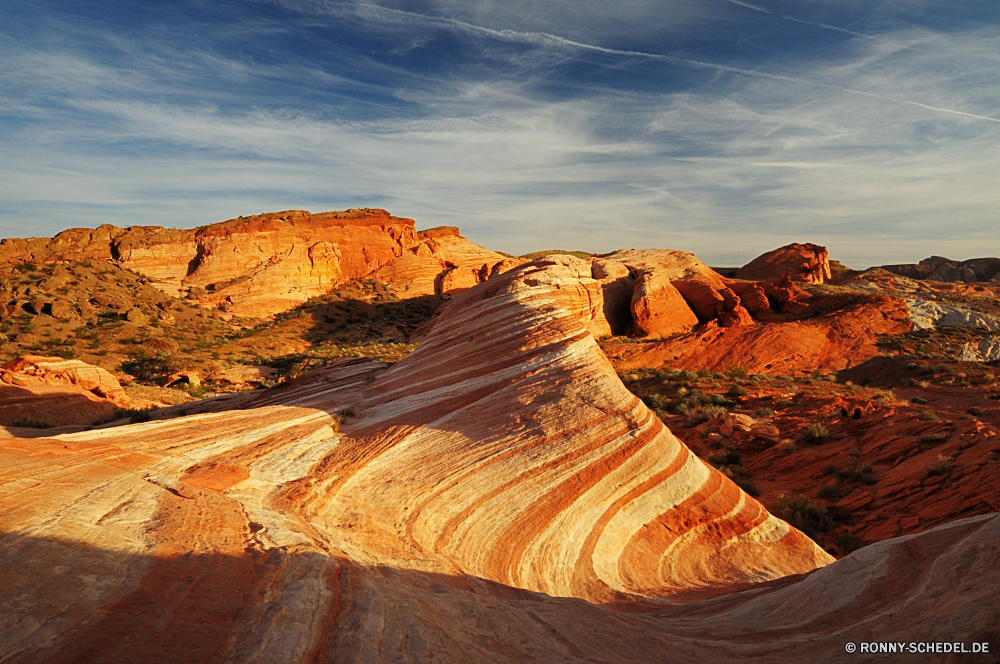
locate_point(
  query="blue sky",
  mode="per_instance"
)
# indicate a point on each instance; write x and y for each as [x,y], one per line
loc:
[721,127]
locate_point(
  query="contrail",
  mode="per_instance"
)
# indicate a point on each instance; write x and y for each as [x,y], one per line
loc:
[548,38]
[817,24]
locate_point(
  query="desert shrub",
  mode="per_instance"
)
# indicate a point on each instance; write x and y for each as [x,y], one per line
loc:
[719,400]
[29,423]
[699,414]
[764,413]
[726,457]
[884,397]
[848,543]
[737,373]
[740,478]
[919,400]
[831,492]
[928,416]
[974,411]
[803,514]
[783,403]
[196,391]
[737,391]
[942,467]
[134,415]
[814,434]
[654,401]
[865,474]
[145,366]
[933,438]
[829,469]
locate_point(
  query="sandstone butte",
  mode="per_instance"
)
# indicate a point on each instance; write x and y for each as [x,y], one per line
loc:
[262,265]
[802,262]
[496,496]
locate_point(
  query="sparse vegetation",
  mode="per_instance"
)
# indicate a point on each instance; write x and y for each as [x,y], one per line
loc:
[134,415]
[815,434]
[928,416]
[944,466]
[809,517]
[29,423]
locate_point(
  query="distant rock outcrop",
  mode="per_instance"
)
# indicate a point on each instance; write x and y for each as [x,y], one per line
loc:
[265,264]
[801,262]
[937,268]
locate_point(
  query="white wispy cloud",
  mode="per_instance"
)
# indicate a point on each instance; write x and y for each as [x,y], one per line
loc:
[884,154]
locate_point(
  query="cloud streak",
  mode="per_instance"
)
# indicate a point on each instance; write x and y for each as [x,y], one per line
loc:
[524,139]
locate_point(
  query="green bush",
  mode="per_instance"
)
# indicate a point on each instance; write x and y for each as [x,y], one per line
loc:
[864,474]
[29,423]
[726,457]
[696,416]
[831,492]
[807,516]
[764,413]
[134,415]
[740,478]
[814,434]
[146,367]
[919,400]
[737,391]
[928,416]
[974,411]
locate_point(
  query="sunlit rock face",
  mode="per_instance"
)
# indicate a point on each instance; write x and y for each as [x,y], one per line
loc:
[266,264]
[498,495]
[53,391]
[801,262]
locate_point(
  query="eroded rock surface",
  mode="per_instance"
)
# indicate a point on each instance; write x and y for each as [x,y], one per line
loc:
[498,495]
[57,392]
[265,264]
[801,262]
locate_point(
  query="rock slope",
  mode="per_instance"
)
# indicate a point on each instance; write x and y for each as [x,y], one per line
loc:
[498,495]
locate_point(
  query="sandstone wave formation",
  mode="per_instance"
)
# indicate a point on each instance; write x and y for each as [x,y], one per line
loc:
[496,496]
[265,264]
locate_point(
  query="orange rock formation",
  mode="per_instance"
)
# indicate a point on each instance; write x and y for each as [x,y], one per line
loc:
[498,495]
[261,265]
[54,391]
[801,262]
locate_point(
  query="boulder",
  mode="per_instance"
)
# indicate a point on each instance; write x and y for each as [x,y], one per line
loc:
[658,309]
[809,263]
